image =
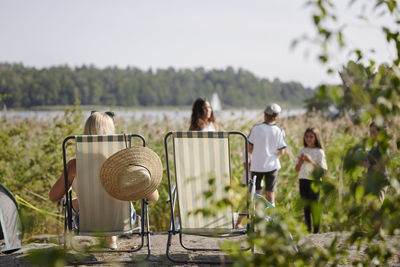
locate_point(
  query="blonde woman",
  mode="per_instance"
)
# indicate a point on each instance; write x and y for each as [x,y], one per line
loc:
[98,123]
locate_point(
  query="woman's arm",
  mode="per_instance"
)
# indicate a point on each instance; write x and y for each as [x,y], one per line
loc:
[58,189]
[153,196]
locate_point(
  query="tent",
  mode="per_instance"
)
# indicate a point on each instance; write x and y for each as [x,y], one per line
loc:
[10,225]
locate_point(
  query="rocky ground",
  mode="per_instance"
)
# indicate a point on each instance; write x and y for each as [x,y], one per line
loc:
[158,251]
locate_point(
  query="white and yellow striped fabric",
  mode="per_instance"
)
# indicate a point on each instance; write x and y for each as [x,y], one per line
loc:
[199,157]
[98,211]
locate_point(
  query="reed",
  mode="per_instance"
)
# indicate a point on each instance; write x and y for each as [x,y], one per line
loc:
[31,161]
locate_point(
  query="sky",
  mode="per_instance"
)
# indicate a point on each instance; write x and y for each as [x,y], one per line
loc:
[254,35]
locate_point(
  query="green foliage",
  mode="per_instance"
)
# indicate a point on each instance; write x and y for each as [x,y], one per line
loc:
[349,204]
[31,161]
[367,92]
[324,97]
[48,257]
[23,87]
[30,154]
[351,198]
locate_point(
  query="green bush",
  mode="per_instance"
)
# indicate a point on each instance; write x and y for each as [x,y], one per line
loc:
[31,161]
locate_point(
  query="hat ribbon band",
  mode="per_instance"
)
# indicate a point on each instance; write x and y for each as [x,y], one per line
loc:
[140,165]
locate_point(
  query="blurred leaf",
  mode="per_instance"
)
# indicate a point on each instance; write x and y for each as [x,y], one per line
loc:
[359,194]
[47,257]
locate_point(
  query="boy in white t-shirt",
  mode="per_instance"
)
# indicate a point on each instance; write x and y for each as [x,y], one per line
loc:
[266,145]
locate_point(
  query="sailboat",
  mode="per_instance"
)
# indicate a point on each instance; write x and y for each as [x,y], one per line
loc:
[215,103]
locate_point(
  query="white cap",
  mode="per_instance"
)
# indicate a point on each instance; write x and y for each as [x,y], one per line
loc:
[272,109]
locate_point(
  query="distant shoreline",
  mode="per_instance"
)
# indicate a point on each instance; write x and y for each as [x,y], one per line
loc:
[176,114]
[99,107]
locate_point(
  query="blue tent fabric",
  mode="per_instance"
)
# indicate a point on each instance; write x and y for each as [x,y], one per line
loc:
[10,225]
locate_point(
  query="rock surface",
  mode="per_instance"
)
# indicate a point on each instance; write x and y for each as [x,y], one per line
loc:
[158,250]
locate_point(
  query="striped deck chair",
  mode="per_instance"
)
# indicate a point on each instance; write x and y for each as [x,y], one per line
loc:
[100,213]
[197,158]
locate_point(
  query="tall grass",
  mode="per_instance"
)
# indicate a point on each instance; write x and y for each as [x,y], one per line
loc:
[31,161]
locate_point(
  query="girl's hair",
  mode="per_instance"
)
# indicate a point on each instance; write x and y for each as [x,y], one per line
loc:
[318,140]
[198,119]
[99,123]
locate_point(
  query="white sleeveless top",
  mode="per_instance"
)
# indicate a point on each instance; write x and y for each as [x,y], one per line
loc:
[209,128]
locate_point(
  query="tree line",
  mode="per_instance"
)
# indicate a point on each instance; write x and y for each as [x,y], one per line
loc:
[26,87]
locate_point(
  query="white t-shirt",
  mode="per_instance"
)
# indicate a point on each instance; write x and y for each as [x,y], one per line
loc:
[317,155]
[267,139]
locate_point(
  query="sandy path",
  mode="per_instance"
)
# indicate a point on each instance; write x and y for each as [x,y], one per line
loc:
[158,250]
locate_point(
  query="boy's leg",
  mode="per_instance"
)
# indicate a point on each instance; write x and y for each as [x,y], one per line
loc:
[270,196]
[259,177]
[270,185]
[240,218]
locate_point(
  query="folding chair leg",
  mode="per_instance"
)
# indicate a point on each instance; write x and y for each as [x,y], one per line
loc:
[147,231]
[168,247]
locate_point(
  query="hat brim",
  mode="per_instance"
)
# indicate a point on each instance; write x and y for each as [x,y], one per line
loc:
[141,156]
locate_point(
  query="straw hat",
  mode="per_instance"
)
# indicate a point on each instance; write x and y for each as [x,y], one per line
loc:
[132,173]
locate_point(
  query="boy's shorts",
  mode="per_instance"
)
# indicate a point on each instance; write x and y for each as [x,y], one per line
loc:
[270,180]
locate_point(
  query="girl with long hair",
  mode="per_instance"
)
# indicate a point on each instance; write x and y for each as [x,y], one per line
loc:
[202,118]
[310,158]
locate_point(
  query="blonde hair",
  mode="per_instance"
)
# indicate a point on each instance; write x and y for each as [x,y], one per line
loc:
[99,123]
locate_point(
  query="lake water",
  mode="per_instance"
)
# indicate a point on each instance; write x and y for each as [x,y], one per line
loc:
[177,116]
